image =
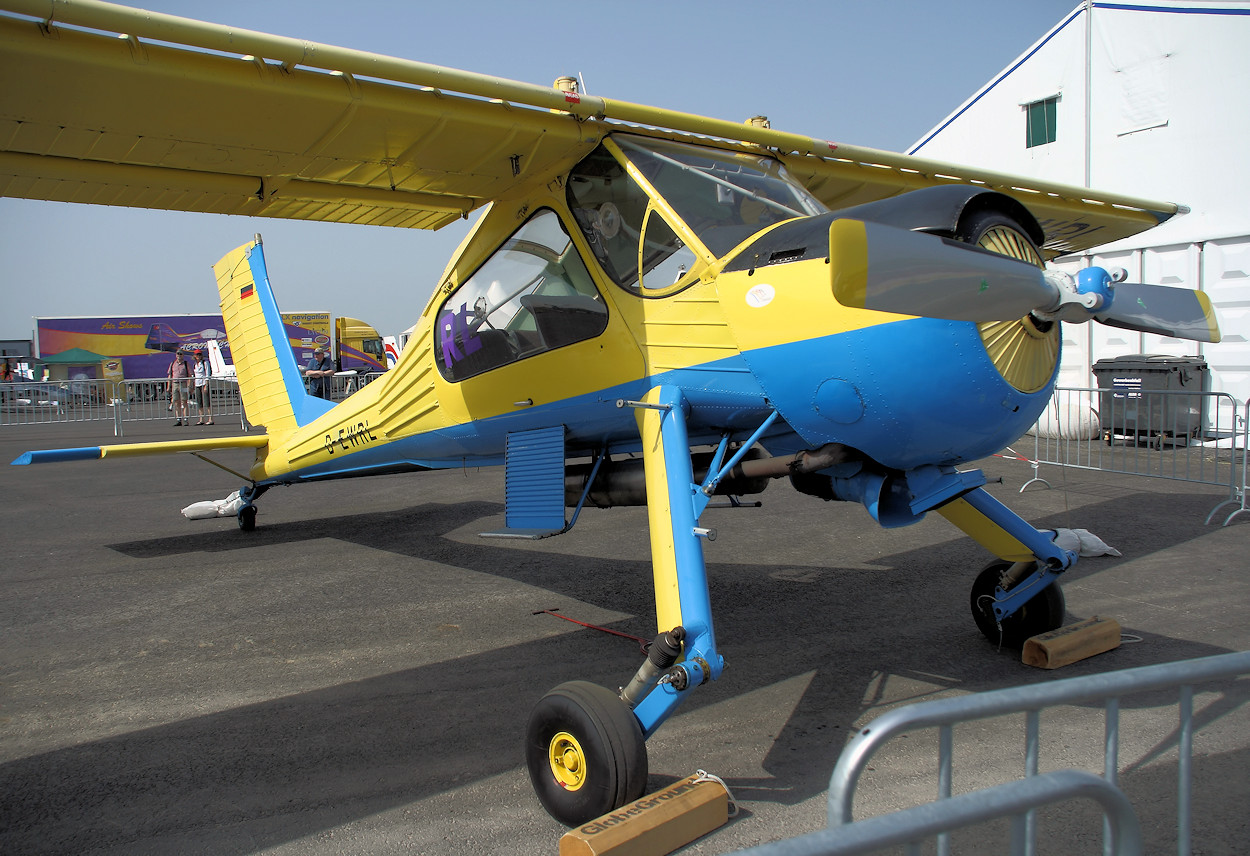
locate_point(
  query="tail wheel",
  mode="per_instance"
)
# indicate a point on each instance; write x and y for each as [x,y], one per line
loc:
[1040,614]
[585,752]
[1024,352]
[247,518]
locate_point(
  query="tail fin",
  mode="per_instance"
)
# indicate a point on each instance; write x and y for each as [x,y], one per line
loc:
[270,383]
[216,361]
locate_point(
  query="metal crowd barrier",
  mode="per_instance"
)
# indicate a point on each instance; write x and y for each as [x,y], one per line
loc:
[1186,436]
[343,385]
[910,826]
[1239,500]
[843,835]
[119,402]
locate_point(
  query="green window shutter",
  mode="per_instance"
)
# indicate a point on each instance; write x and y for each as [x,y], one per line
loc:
[1040,122]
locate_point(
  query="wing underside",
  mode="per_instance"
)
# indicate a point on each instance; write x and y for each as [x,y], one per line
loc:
[118,106]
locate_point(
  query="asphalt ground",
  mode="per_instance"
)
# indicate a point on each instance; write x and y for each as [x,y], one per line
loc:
[355,675]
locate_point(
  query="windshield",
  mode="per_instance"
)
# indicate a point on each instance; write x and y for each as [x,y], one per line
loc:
[723,197]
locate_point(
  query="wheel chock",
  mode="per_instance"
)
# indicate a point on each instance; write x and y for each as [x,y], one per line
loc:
[654,825]
[1072,643]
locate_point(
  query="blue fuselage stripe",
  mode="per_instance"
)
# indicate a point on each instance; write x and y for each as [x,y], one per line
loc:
[929,391]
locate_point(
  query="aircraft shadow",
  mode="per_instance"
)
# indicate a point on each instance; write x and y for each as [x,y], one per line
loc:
[257,775]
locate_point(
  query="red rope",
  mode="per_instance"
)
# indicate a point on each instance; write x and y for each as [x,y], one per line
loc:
[642,643]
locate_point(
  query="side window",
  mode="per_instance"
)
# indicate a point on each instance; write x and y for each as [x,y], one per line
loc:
[532,295]
[633,244]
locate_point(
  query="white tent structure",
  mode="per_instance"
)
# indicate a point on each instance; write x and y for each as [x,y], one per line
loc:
[1149,98]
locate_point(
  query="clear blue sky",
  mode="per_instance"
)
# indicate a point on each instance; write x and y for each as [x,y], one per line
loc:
[876,74]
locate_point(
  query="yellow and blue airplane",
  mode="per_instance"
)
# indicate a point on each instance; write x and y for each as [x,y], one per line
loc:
[652,308]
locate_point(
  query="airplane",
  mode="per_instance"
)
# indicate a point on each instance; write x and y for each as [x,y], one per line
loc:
[652,308]
[162,337]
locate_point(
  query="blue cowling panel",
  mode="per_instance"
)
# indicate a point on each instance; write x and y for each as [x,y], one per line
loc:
[906,393]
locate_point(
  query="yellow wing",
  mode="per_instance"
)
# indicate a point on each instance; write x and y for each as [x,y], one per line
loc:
[112,105]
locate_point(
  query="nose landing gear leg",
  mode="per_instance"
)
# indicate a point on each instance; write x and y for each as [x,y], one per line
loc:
[1018,595]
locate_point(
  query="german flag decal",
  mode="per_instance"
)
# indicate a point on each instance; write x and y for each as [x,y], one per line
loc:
[247,291]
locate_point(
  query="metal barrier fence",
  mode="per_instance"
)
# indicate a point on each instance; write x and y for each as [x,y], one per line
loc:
[842,835]
[1239,499]
[119,402]
[1186,436]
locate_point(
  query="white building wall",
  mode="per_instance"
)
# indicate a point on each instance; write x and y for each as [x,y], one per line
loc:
[1154,101]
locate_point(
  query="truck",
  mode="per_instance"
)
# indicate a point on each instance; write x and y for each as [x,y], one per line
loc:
[394,345]
[144,343]
[353,344]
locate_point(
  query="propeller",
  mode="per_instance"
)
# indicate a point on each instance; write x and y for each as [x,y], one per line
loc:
[887,269]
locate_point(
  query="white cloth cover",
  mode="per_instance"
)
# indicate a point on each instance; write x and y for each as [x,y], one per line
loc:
[227,507]
[1068,422]
[1083,543]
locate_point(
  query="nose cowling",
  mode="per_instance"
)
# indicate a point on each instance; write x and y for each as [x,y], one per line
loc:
[903,390]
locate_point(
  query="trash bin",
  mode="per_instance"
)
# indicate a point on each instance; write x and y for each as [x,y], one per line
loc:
[1141,397]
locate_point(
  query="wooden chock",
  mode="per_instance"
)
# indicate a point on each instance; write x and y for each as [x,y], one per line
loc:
[655,825]
[1072,643]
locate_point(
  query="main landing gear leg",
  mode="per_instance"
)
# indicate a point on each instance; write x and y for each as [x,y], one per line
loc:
[584,745]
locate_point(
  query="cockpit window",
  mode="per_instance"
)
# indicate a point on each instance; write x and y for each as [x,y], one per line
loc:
[532,295]
[722,197]
[611,209]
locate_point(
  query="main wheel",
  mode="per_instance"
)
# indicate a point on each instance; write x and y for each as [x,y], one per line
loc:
[585,752]
[247,518]
[1041,613]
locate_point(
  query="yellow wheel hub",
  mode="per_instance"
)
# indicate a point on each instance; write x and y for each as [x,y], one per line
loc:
[568,761]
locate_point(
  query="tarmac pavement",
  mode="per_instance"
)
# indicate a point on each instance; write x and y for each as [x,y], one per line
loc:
[355,675]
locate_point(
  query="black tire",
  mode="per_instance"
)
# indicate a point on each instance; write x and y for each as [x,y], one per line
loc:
[585,752]
[1040,614]
[247,518]
[1000,233]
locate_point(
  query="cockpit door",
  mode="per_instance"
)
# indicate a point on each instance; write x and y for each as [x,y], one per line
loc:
[529,331]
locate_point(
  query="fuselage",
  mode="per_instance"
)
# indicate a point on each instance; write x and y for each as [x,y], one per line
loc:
[563,304]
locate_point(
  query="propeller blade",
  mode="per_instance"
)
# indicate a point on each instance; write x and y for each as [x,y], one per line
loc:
[910,273]
[1178,312]
[887,269]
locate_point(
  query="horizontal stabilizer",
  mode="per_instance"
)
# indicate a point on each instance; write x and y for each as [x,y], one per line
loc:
[131,450]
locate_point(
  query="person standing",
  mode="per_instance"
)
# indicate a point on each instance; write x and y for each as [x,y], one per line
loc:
[6,377]
[319,371]
[203,397]
[178,373]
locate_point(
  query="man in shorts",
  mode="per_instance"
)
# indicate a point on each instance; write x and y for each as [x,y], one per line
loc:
[178,373]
